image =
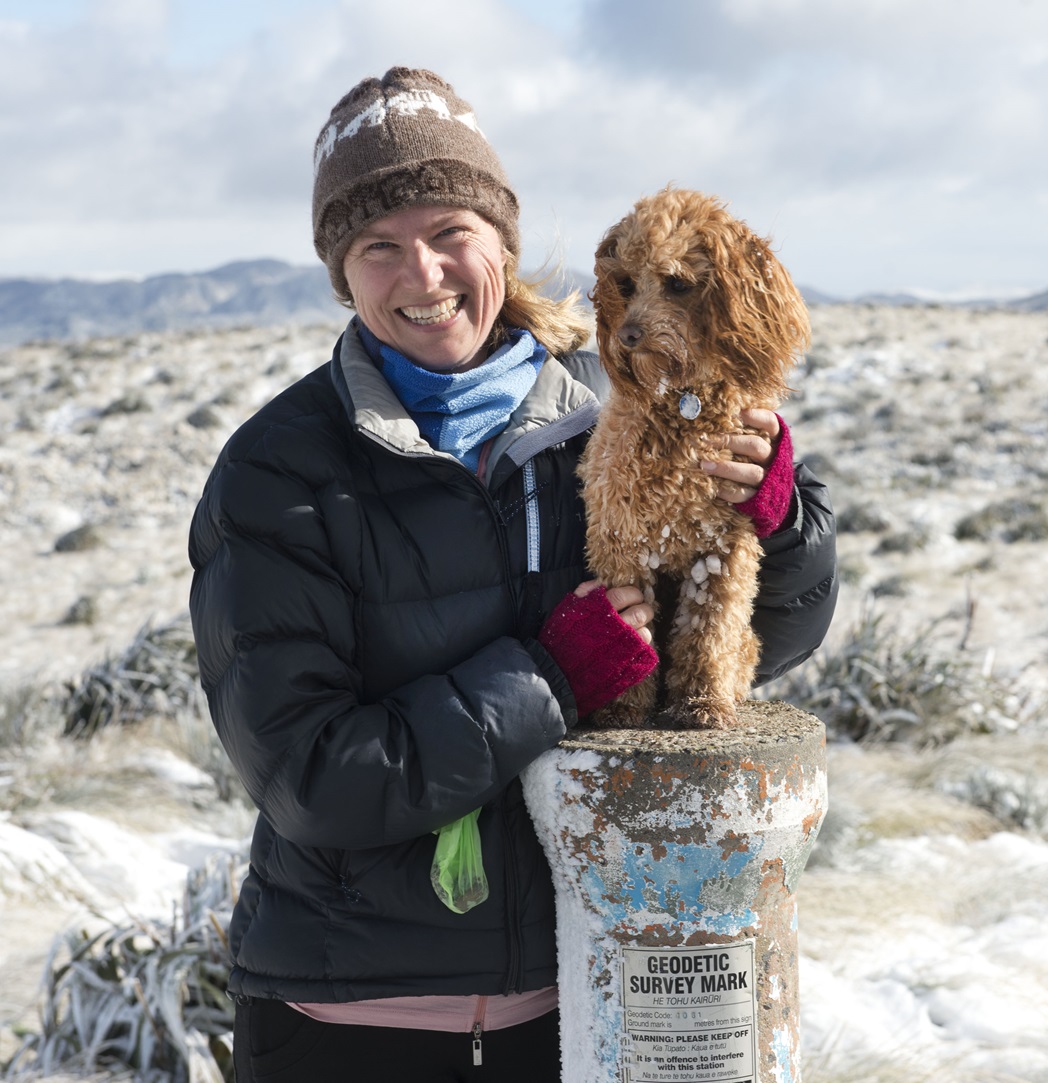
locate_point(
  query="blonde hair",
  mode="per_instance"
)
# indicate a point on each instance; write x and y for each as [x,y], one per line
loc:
[560,325]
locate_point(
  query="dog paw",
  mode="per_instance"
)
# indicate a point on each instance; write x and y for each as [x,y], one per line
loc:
[617,716]
[704,714]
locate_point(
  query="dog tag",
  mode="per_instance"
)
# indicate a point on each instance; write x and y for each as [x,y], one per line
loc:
[690,407]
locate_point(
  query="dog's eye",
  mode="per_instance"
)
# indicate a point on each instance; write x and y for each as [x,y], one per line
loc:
[677,285]
[626,286]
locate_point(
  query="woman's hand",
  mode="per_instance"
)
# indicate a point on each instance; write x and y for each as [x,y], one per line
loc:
[751,455]
[629,603]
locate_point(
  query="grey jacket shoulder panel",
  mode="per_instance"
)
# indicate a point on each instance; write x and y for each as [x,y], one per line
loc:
[585,366]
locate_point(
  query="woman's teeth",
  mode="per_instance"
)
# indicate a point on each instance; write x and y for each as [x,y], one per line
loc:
[432,313]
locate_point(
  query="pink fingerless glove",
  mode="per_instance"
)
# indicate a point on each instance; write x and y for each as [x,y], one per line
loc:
[770,504]
[597,651]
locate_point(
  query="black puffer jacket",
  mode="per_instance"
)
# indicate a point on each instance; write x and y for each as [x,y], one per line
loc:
[363,615]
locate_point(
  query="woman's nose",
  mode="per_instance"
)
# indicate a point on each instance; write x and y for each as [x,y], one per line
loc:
[423,266]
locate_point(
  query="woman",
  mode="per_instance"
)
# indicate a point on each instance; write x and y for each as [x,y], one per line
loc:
[393,617]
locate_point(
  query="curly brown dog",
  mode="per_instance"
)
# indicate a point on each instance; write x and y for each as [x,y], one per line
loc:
[696,320]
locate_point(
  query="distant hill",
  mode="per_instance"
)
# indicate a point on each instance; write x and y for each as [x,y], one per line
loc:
[1038,302]
[255,292]
[251,292]
[817,297]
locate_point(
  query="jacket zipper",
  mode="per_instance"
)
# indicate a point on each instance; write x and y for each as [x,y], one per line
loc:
[478,1027]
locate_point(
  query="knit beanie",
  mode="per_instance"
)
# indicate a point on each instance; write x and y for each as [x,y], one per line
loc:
[405,140]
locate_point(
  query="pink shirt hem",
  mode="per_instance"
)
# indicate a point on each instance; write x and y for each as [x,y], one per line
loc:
[453,1014]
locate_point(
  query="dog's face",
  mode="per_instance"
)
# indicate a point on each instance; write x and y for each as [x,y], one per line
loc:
[687,295]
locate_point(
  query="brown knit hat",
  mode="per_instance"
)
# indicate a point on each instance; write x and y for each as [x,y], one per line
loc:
[404,140]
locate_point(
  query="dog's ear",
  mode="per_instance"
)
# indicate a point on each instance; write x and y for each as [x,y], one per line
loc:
[609,245]
[610,297]
[756,312]
[607,294]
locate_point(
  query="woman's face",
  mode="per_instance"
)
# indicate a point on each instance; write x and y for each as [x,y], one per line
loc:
[430,282]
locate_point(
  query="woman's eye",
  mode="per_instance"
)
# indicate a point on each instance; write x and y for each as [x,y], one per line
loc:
[677,285]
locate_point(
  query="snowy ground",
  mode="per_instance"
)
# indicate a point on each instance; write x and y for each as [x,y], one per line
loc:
[923,914]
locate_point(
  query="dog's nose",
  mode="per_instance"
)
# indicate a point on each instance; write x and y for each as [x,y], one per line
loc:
[630,334]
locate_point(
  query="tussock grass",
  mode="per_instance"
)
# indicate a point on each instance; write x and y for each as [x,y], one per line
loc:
[880,686]
[20,704]
[1007,521]
[152,684]
[1012,787]
[1013,797]
[156,674]
[143,997]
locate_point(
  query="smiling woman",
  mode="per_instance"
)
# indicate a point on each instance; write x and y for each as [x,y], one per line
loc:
[393,618]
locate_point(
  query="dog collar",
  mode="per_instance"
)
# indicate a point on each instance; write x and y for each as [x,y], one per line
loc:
[690,407]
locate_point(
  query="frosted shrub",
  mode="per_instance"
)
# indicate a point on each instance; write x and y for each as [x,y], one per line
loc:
[1007,520]
[878,686]
[144,996]
[156,675]
[1014,797]
[18,705]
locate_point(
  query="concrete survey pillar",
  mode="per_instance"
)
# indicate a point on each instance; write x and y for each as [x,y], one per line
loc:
[675,856]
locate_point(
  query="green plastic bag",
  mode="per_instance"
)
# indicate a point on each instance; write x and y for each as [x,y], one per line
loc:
[457,873]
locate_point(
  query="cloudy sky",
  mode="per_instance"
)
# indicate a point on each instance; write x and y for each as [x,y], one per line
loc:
[883,144]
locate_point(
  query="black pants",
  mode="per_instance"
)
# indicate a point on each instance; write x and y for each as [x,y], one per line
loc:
[273,1043]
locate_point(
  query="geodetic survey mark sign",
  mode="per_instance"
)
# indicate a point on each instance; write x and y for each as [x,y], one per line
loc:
[690,1014]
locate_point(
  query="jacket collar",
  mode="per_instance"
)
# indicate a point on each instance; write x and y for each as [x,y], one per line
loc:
[558,407]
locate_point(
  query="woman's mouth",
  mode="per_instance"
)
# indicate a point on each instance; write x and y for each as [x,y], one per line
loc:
[426,316]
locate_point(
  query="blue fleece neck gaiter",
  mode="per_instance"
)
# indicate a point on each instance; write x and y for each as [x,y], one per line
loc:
[458,411]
